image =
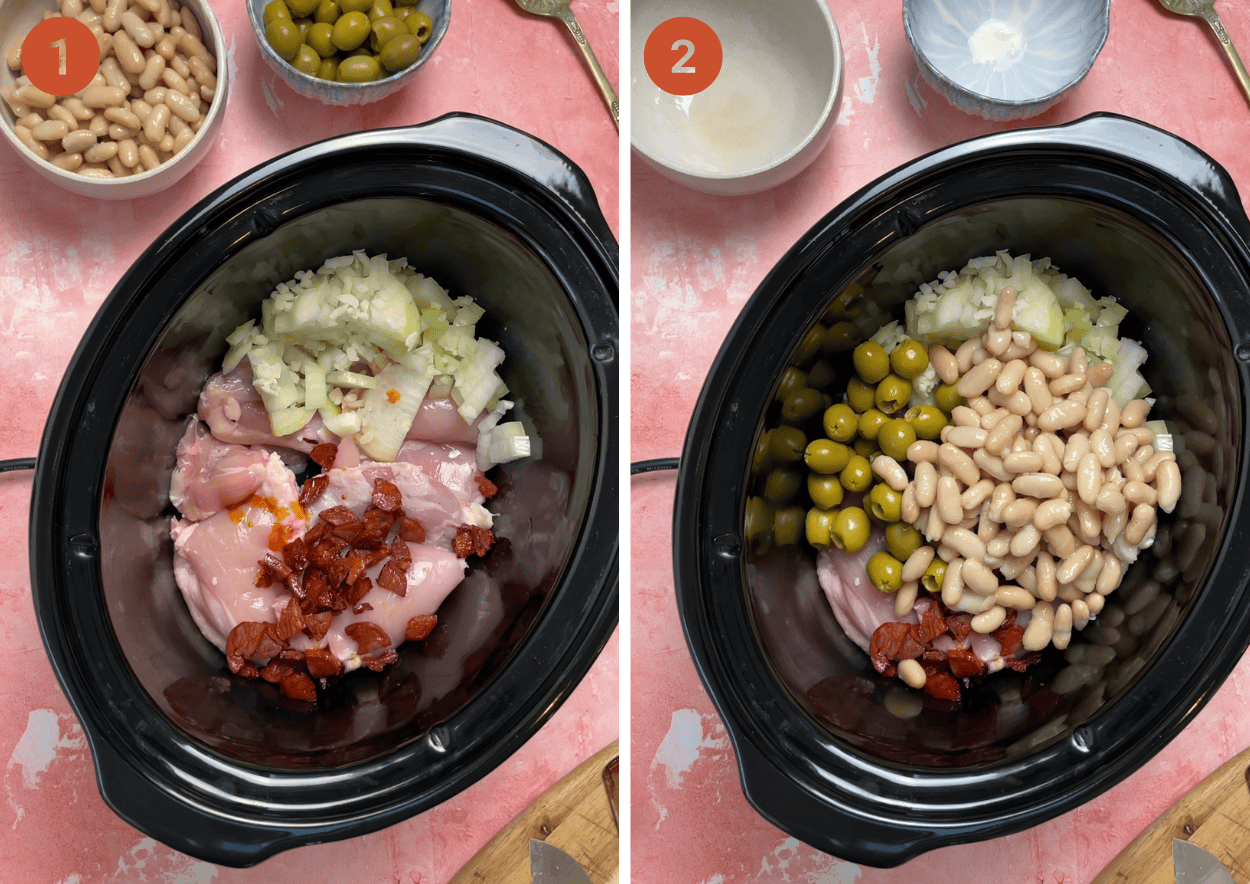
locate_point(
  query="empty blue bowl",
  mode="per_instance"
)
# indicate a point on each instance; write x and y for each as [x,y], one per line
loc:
[1005,59]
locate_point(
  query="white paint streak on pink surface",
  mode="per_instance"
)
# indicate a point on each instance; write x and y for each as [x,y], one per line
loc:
[174,869]
[683,744]
[40,744]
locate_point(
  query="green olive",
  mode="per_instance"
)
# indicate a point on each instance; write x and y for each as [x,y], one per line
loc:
[871,362]
[385,30]
[892,394]
[350,31]
[420,26]
[328,12]
[407,3]
[354,5]
[902,540]
[758,523]
[895,438]
[380,9]
[865,448]
[788,525]
[885,504]
[303,24]
[307,60]
[277,9]
[947,397]
[329,69]
[791,379]
[850,529]
[860,396]
[826,457]
[818,527]
[926,420]
[825,491]
[857,474]
[782,485]
[283,35]
[840,422]
[786,444]
[840,337]
[848,302]
[933,576]
[909,359]
[885,572]
[809,347]
[821,374]
[870,423]
[302,8]
[359,69]
[318,37]
[402,12]
[800,404]
[762,448]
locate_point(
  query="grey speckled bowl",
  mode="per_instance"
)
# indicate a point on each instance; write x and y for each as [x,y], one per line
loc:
[1005,60]
[349,93]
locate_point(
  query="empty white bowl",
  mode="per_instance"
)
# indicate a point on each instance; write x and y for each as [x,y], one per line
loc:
[1005,60]
[767,114]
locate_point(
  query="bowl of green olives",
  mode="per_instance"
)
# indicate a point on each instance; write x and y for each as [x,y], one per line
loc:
[348,52]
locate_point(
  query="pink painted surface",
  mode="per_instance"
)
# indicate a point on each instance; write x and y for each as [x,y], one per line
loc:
[61,255]
[695,261]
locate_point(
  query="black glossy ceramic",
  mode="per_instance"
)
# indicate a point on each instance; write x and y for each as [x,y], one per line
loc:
[227,769]
[853,763]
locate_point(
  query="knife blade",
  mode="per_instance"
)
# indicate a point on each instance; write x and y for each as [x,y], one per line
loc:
[1193,865]
[551,865]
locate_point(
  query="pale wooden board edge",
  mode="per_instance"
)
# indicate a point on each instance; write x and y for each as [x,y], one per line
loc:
[581,792]
[1216,807]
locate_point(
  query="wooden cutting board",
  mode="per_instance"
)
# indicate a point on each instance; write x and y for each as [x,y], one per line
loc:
[1215,814]
[573,815]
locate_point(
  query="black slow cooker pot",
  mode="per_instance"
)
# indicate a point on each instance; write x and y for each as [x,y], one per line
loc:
[228,769]
[856,764]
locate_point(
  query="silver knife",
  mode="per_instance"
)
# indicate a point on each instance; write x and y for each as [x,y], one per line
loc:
[1191,863]
[551,865]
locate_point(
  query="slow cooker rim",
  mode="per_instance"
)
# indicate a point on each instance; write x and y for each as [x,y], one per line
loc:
[694,547]
[595,565]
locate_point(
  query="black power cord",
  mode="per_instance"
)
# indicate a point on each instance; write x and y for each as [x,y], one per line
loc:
[17,463]
[655,465]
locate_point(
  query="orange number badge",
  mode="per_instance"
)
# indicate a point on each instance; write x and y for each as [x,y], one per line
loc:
[60,55]
[683,56]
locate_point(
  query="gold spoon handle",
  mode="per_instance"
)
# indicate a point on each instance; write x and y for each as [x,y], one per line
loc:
[1213,19]
[605,87]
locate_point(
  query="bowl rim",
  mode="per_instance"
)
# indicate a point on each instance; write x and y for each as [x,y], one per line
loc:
[255,14]
[1040,102]
[204,14]
[832,101]
[795,772]
[157,777]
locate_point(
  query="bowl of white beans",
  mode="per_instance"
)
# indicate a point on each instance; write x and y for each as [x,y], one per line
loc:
[150,113]
[1071,630]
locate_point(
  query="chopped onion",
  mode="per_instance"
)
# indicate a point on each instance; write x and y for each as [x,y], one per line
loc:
[361,342]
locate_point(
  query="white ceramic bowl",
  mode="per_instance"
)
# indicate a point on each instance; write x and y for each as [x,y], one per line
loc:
[17,17]
[348,94]
[1005,61]
[768,113]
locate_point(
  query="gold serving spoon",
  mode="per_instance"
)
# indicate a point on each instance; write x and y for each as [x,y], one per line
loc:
[560,9]
[1205,10]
